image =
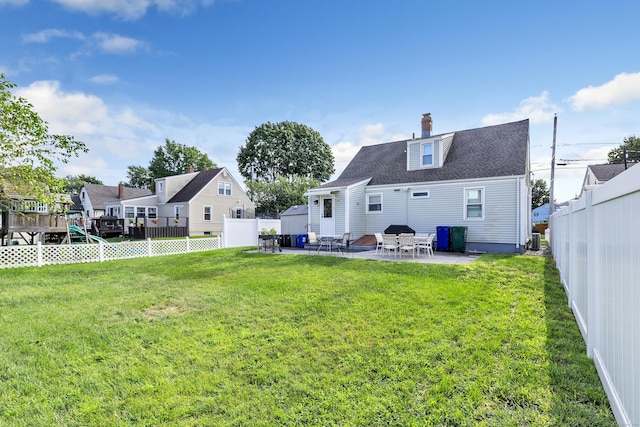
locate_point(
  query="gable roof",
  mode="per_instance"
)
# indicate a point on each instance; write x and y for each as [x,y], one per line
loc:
[605,172]
[194,186]
[296,210]
[492,151]
[101,194]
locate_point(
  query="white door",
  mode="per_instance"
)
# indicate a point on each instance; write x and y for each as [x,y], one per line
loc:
[327,220]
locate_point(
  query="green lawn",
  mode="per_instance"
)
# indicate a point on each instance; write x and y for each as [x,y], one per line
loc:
[227,338]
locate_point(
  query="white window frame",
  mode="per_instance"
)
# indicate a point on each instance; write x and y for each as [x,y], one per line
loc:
[160,186]
[152,212]
[467,204]
[129,211]
[420,194]
[424,144]
[369,203]
[239,213]
[224,188]
[210,213]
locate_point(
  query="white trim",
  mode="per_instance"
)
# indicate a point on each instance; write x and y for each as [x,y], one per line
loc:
[423,144]
[413,194]
[368,196]
[204,213]
[482,204]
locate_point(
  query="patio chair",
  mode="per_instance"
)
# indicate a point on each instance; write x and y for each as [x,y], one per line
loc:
[390,243]
[343,244]
[407,244]
[312,241]
[426,245]
[379,242]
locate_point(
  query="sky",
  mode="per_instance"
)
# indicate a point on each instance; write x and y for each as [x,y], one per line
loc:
[124,75]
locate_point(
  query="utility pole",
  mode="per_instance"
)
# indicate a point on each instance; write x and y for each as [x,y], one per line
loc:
[553,165]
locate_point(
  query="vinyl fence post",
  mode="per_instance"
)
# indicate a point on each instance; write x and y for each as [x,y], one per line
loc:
[100,251]
[39,254]
[219,242]
[149,252]
[187,241]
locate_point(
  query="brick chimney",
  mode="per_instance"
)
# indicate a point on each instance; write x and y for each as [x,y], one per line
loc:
[121,190]
[427,125]
[190,169]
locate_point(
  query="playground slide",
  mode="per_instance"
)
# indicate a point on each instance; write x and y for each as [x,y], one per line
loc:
[76,229]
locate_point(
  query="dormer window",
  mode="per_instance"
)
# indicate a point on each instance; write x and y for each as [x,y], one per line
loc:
[426,154]
[160,186]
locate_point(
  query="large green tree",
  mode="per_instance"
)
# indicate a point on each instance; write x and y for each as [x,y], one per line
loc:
[285,149]
[171,159]
[539,193]
[280,162]
[632,146]
[74,183]
[28,152]
[273,198]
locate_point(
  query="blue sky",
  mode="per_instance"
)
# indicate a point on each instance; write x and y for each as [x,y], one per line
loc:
[123,76]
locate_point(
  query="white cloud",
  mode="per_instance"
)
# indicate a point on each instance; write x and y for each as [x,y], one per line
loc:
[104,79]
[538,109]
[344,151]
[117,44]
[45,36]
[623,88]
[132,9]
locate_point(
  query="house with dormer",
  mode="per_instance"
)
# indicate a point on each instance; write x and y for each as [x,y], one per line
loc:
[475,178]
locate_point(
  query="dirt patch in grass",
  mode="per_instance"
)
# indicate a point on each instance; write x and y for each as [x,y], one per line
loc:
[157,312]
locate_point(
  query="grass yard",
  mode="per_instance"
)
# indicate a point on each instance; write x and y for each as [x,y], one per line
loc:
[227,338]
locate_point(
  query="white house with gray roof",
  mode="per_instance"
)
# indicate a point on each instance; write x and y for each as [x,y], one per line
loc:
[476,178]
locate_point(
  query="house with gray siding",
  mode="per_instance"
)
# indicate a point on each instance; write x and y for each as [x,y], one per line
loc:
[475,178]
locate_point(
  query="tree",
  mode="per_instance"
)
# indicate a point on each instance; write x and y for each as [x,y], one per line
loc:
[138,177]
[28,152]
[73,183]
[286,149]
[539,193]
[632,146]
[275,197]
[281,161]
[171,159]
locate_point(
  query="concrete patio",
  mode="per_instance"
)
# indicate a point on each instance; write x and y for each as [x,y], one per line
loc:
[438,257]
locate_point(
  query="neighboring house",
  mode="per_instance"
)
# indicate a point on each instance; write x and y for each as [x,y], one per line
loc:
[205,198]
[94,197]
[599,174]
[541,213]
[478,178]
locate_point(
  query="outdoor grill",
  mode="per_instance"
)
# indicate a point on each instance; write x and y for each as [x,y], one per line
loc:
[398,229]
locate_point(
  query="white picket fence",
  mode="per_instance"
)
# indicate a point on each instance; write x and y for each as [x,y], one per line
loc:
[39,255]
[596,245]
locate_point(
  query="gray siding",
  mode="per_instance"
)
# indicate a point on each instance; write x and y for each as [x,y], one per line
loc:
[413,148]
[445,207]
[357,203]
[446,145]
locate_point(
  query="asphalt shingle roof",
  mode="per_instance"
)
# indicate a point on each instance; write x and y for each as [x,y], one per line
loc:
[605,172]
[194,186]
[101,194]
[492,151]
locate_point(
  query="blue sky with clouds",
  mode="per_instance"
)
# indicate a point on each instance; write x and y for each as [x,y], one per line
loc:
[124,75]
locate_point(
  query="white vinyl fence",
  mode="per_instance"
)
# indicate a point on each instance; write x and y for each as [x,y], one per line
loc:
[596,245]
[244,232]
[39,255]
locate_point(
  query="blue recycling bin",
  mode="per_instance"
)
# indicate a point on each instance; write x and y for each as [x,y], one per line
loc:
[302,239]
[443,236]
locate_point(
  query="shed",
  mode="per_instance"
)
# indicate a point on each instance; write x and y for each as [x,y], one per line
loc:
[294,220]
